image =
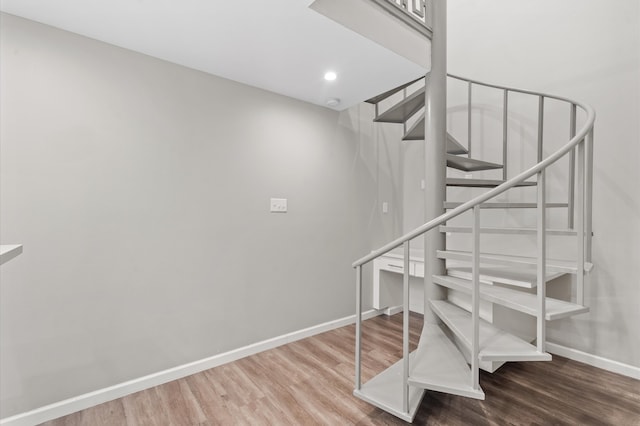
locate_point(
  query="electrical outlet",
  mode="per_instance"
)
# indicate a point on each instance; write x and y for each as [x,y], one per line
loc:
[278,205]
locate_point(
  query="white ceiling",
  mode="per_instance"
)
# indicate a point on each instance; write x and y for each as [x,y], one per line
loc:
[278,45]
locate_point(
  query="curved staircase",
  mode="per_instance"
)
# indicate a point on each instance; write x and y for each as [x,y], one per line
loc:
[458,340]
[452,350]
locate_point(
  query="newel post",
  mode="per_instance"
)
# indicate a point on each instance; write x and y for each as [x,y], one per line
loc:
[435,150]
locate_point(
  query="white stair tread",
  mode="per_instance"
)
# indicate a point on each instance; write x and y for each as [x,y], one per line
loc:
[439,366]
[416,133]
[495,344]
[498,205]
[519,277]
[385,392]
[9,251]
[470,164]
[514,299]
[498,230]
[403,110]
[391,92]
[553,265]
[482,183]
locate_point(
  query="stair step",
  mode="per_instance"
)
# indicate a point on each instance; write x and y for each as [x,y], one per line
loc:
[385,392]
[454,204]
[495,344]
[470,164]
[9,251]
[482,183]
[521,261]
[510,231]
[514,299]
[513,276]
[404,110]
[438,365]
[416,133]
[381,97]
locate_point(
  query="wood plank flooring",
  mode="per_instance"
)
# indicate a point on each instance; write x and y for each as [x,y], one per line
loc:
[310,382]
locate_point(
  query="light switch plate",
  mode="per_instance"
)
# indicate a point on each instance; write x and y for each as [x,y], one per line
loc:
[278,205]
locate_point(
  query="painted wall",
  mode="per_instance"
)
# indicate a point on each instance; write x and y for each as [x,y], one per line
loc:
[140,190]
[588,51]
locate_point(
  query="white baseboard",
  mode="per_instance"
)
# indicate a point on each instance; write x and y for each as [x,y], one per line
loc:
[392,310]
[82,402]
[594,360]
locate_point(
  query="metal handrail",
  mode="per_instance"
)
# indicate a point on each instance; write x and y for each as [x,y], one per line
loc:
[573,143]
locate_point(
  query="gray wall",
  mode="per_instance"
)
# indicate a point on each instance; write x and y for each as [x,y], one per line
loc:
[140,190]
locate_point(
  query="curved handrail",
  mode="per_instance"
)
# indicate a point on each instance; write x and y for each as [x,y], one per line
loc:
[577,139]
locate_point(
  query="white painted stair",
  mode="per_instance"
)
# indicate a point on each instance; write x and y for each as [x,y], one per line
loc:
[507,231]
[438,365]
[514,299]
[553,265]
[509,286]
[385,391]
[508,205]
[506,275]
[495,344]
[9,251]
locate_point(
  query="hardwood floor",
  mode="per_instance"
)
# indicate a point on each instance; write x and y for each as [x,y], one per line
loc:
[310,382]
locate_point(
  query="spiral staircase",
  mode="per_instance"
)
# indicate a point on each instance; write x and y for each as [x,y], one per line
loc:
[456,342]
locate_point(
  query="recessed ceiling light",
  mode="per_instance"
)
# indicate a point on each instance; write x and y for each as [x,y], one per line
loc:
[330,76]
[333,102]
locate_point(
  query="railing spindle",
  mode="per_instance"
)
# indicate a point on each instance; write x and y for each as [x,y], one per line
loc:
[542,261]
[405,331]
[420,8]
[580,222]
[358,377]
[540,126]
[475,300]
[572,169]
[414,16]
[469,99]
[589,195]
[505,116]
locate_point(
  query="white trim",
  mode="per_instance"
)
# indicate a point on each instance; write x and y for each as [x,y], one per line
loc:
[91,399]
[594,360]
[392,310]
